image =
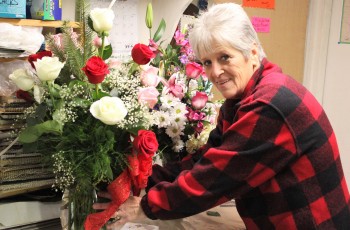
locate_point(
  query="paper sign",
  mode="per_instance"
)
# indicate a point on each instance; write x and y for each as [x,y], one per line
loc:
[268,4]
[124,33]
[345,25]
[261,25]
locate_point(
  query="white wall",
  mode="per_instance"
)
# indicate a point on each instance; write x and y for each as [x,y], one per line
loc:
[327,70]
[170,10]
[68,10]
[337,87]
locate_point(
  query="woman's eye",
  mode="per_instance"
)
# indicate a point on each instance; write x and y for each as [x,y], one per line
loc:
[224,57]
[206,63]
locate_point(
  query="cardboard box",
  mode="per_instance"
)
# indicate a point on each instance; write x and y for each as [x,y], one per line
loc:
[52,10]
[13,9]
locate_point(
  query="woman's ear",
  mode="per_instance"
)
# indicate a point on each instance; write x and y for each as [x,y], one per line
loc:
[254,55]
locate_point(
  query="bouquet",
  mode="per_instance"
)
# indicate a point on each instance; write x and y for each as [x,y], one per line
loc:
[177,92]
[86,118]
[100,122]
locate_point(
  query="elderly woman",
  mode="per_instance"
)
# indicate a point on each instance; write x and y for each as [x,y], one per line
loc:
[273,150]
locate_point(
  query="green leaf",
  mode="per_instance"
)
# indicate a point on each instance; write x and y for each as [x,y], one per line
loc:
[33,120]
[59,104]
[98,95]
[82,102]
[109,173]
[91,24]
[32,133]
[78,82]
[107,52]
[135,130]
[30,147]
[161,28]
[55,90]
[41,110]
[133,68]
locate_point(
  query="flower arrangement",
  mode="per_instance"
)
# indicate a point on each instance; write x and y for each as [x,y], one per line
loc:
[86,118]
[177,92]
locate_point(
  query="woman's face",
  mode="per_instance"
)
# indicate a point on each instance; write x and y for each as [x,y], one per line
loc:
[228,70]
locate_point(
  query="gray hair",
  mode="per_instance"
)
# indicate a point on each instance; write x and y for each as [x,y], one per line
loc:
[226,24]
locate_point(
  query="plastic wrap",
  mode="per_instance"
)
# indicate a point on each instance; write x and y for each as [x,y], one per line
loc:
[6,68]
[27,38]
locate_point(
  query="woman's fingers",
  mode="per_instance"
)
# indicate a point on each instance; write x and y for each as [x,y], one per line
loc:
[104,194]
[117,220]
[100,206]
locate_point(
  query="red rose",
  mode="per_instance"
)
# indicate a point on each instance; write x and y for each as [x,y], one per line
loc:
[96,70]
[21,94]
[145,144]
[32,58]
[142,54]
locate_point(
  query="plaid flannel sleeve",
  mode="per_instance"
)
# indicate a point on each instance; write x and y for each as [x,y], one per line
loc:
[172,170]
[251,151]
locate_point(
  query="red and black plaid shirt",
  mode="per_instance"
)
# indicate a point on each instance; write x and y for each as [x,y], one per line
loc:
[273,151]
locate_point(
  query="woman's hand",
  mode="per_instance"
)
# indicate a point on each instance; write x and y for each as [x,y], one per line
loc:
[129,211]
[104,205]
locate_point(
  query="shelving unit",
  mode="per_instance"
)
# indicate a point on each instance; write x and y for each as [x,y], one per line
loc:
[14,192]
[20,172]
[11,59]
[34,22]
[24,173]
[13,187]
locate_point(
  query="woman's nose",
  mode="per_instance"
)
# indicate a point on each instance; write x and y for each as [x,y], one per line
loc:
[216,70]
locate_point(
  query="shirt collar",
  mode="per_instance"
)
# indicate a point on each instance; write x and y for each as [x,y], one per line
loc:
[253,81]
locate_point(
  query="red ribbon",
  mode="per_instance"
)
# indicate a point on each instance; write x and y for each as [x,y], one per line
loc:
[120,192]
[140,168]
[136,176]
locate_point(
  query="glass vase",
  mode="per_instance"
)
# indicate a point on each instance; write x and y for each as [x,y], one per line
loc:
[77,205]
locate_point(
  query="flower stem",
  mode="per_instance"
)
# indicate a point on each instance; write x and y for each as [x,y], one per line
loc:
[103,45]
[52,98]
[96,88]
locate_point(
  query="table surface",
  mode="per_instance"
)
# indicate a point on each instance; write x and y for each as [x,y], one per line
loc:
[228,220]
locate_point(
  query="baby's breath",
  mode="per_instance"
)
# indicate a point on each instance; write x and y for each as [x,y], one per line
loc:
[127,87]
[63,171]
[71,105]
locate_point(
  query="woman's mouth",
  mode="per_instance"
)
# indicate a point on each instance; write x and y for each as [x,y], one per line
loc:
[221,82]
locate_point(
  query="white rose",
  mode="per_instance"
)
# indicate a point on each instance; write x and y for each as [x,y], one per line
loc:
[48,68]
[22,79]
[109,110]
[102,19]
